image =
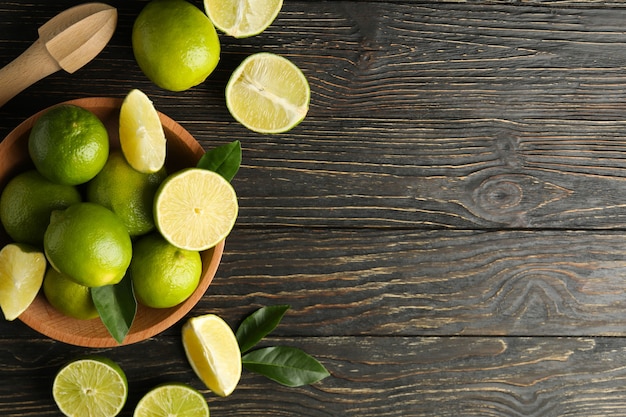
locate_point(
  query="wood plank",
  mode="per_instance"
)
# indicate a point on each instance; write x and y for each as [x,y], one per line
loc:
[394,282]
[371,376]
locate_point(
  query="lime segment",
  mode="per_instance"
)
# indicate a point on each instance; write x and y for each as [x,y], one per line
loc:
[22,269]
[95,387]
[267,93]
[213,353]
[141,134]
[172,400]
[195,209]
[242,19]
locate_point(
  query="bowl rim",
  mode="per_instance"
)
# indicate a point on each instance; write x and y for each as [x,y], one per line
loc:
[42,317]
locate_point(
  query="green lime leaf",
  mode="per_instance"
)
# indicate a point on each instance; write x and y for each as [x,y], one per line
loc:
[286,365]
[258,325]
[117,307]
[225,160]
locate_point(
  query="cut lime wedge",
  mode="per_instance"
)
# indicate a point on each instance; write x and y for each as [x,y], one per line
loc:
[22,269]
[141,133]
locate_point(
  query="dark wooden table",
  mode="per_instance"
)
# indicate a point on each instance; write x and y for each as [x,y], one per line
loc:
[448,224]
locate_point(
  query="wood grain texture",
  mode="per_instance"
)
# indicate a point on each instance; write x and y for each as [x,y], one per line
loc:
[447,223]
[371,376]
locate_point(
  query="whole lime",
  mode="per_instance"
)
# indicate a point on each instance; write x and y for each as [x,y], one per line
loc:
[162,274]
[70,298]
[26,203]
[126,192]
[88,243]
[68,144]
[175,44]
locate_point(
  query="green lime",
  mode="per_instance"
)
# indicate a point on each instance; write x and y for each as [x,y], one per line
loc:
[163,275]
[68,144]
[26,203]
[94,386]
[70,298]
[172,400]
[175,44]
[88,243]
[126,192]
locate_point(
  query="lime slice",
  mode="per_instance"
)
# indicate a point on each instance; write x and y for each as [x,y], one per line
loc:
[141,133]
[172,400]
[22,269]
[267,93]
[93,386]
[242,19]
[195,209]
[213,353]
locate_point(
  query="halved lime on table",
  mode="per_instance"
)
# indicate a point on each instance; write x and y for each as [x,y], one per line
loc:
[268,93]
[93,386]
[242,18]
[172,400]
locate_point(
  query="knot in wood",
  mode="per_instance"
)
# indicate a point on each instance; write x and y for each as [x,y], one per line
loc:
[499,194]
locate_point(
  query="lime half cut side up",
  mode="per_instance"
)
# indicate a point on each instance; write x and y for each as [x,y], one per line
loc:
[267,93]
[242,18]
[172,400]
[195,209]
[93,386]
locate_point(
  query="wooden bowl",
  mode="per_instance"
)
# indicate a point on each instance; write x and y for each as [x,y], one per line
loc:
[182,151]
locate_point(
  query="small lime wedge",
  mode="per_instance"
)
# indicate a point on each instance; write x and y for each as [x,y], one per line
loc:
[267,93]
[213,353]
[242,18]
[22,269]
[141,133]
[172,400]
[93,386]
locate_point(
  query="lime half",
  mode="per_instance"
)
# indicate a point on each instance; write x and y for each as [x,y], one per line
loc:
[172,400]
[242,18]
[195,209]
[94,387]
[267,93]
